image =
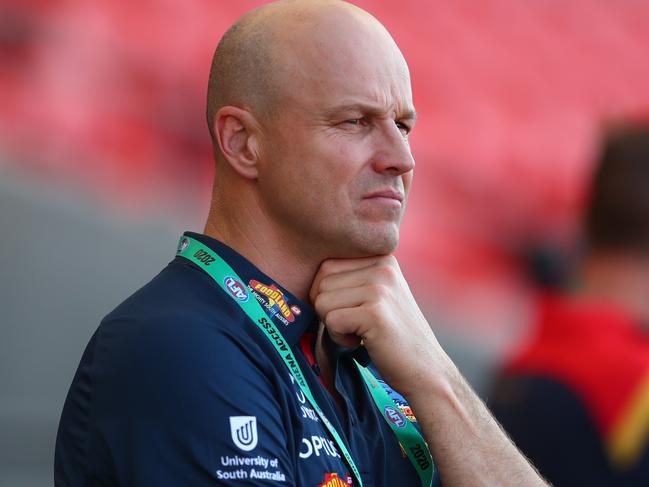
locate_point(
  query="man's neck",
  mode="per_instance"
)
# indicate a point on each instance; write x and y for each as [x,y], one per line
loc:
[620,279]
[262,244]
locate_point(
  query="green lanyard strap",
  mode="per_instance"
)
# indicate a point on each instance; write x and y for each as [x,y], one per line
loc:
[408,436]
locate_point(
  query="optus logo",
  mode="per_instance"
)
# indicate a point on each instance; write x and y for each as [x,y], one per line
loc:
[236,288]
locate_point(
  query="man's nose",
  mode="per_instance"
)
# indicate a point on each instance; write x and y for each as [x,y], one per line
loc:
[392,151]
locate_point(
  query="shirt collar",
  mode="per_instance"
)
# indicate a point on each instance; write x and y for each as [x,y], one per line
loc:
[291,316]
[338,351]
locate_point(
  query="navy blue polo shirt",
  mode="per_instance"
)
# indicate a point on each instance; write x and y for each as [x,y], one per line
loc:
[179,387]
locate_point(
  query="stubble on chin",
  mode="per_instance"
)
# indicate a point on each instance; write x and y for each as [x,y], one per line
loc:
[372,241]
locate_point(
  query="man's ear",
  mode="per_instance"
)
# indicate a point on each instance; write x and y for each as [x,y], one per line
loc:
[237,133]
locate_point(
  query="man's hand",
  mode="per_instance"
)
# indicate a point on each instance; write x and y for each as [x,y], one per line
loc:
[368,299]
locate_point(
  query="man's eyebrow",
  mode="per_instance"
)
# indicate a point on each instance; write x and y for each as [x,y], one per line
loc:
[407,114]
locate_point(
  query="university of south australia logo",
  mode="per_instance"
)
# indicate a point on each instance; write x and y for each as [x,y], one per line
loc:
[243,430]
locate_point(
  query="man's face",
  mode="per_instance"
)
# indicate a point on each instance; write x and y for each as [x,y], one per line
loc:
[337,166]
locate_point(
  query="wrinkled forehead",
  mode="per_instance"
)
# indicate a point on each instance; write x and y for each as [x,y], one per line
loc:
[343,57]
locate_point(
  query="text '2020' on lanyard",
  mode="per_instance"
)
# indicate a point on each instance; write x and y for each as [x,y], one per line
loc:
[409,438]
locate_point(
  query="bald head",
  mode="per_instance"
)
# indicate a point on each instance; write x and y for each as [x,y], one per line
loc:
[264,51]
[310,107]
[242,67]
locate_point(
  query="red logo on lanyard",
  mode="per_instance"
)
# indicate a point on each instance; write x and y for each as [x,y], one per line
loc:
[332,480]
[276,299]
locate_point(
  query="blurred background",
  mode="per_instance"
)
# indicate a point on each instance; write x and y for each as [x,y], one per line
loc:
[105,159]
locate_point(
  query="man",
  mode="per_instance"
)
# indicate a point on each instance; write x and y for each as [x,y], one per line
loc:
[218,371]
[576,397]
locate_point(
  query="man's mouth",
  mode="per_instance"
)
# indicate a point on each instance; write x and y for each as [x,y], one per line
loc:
[388,194]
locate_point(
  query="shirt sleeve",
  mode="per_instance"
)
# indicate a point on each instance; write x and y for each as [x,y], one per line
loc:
[196,406]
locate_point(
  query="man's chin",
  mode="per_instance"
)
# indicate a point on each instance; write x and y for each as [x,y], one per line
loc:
[376,241]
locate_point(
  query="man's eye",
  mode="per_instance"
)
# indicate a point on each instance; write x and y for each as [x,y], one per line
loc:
[403,128]
[354,121]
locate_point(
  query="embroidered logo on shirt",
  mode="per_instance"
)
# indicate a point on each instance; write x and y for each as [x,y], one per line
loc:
[236,288]
[332,480]
[243,430]
[274,301]
[260,467]
[317,445]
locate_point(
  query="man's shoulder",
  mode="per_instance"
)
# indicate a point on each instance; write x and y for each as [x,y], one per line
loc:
[579,342]
[173,363]
[588,370]
[181,314]
[181,295]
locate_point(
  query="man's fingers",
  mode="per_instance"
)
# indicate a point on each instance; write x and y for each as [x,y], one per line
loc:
[345,340]
[346,279]
[344,267]
[347,321]
[339,299]
[334,266]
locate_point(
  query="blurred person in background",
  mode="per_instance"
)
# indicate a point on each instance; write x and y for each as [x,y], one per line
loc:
[576,398]
[309,108]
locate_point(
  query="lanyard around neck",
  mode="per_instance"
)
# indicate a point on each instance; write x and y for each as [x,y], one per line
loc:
[408,436]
